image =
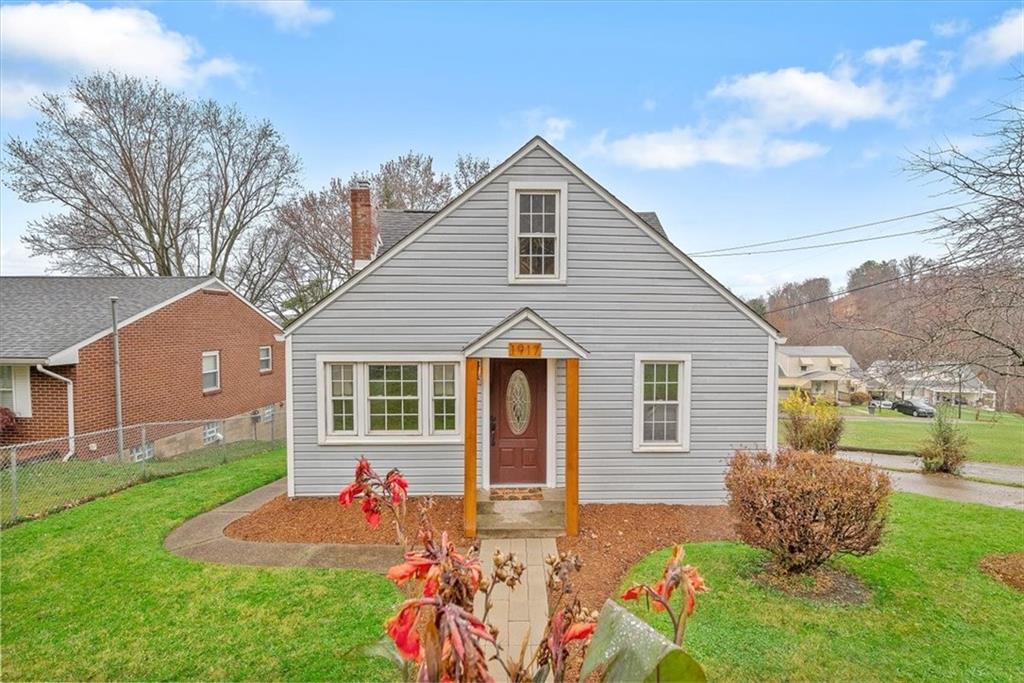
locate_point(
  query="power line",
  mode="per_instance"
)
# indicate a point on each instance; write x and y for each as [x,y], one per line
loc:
[859,226]
[851,290]
[817,246]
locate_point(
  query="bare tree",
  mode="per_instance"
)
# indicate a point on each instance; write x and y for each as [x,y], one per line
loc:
[149,182]
[468,170]
[410,182]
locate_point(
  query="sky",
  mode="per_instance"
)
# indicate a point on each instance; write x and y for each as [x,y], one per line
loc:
[737,123]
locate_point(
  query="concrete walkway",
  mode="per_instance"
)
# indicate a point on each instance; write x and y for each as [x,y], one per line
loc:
[942,486]
[523,612]
[202,538]
[990,471]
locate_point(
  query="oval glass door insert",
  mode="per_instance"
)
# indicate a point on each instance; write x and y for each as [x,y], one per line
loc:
[517,402]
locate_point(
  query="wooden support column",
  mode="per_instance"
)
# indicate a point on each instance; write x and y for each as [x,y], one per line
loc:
[469,429]
[572,446]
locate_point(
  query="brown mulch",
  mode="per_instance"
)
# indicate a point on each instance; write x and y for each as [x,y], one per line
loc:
[615,536]
[825,584]
[1007,568]
[324,520]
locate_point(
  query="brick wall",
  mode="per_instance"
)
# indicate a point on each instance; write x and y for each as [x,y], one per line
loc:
[161,370]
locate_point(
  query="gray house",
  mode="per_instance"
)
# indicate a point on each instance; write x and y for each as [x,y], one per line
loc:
[534,333]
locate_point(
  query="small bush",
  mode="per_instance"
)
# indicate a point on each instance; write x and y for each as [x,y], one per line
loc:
[804,508]
[946,449]
[825,400]
[810,426]
[859,397]
[1019,410]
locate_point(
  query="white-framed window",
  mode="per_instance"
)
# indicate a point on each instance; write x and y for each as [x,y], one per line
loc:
[394,399]
[144,451]
[266,359]
[16,389]
[211,370]
[267,414]
[661,402]
[212,432]
[538,216]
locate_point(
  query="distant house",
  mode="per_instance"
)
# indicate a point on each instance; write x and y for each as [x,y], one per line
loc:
[190,349]
[933,383]
[818,370]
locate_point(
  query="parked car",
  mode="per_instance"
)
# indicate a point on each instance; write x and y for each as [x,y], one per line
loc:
[881,403]
[913,407]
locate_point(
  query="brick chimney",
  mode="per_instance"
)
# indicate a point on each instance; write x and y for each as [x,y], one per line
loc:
[364,226]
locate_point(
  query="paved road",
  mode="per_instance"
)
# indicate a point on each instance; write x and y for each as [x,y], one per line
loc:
[950,488]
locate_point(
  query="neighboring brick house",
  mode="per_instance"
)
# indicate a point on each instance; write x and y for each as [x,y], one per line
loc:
[190,347]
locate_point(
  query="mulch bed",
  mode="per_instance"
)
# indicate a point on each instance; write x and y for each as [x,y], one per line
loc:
[324,520]
[1007,568]
[615,536]
[825,584]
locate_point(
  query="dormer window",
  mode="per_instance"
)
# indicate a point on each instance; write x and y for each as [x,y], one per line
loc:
[537,220]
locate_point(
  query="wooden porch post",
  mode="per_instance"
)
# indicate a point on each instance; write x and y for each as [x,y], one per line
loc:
[469,427]
[572,446]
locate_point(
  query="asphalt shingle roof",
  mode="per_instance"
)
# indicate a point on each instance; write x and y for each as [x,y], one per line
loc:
[812,350]
[40,316]
[394,224]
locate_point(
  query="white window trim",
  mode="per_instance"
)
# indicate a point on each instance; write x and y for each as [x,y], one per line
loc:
[683,444]
[362,434]
[202,370]
[430,391]
[21,383]
[218,435]
[561,231]
[270,358]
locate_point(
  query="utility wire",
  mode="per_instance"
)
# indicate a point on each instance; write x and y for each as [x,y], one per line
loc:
[816,246]
[835,231]
[851,290]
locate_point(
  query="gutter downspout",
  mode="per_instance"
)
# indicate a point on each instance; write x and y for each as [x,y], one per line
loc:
[71,409]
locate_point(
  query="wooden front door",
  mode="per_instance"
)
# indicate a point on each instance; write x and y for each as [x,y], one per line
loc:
[518,429]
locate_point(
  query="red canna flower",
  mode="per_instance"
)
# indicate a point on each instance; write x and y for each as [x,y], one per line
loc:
[398,485]
[363,468]
[349,493]
[402,629]
[372,512]
[579,631]
[413,566]
[694,584]
[633,592]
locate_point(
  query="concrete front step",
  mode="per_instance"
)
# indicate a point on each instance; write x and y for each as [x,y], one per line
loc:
[518,507]
[520,524]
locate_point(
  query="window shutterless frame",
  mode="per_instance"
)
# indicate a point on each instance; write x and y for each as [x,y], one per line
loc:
[362,432]
[682,443]
[560,192]
[266,356]
[211,371]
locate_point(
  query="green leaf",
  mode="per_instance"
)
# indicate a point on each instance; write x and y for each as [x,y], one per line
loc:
[628,649]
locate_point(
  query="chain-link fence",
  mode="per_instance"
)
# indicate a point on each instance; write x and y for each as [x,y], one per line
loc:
[40,477]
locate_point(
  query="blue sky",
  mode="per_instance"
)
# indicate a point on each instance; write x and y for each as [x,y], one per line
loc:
[736,122]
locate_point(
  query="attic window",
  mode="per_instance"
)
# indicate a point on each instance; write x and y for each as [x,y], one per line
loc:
[537,232]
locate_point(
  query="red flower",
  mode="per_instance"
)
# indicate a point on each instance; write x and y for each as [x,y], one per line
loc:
[664,589]
[363,469]
[579,631]
[413,566]
[398,485]
[372,512]
[633,592]
[349,493]
[694,584]
[402,629]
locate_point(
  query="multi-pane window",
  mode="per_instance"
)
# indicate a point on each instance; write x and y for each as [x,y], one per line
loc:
[444,387]
[537,234]
[211,433]
[342,398]
[266,359]
[211,370]
[7,387]
[393,393]
[661,403]
[267,414]
[142,452]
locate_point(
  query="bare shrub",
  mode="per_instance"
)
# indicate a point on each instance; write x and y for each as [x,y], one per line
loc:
[859,397]
[804,508]
[946,449]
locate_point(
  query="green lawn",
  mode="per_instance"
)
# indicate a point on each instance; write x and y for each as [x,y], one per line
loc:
[90,593]
[1000,442]
[933,616]
[54,485]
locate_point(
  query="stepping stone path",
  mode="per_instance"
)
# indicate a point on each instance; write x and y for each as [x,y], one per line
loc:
[522,612]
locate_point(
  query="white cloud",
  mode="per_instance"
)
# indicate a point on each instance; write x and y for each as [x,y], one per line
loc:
[951,28]
[795,97]
[737,143]
[72,37]
[905,56]
[16,96]
[15,259]
[555,128]
[289,15]
[650,104]
[998,43]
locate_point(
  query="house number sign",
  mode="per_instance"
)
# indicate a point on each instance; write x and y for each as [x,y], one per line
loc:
[520,349]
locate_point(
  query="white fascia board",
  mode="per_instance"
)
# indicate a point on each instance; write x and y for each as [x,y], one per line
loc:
[536,320]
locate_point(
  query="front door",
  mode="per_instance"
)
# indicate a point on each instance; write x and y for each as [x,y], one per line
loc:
[518,429]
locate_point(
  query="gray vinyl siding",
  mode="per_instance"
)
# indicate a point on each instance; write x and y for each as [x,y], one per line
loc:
[526,330]
[625,294]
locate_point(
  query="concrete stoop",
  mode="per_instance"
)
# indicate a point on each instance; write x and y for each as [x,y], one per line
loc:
[543,518]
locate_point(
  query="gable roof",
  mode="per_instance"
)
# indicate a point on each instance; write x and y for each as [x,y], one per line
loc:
[394,224]
[948,376]
[517,319]
[819,351]
[539,143]
[46,319]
